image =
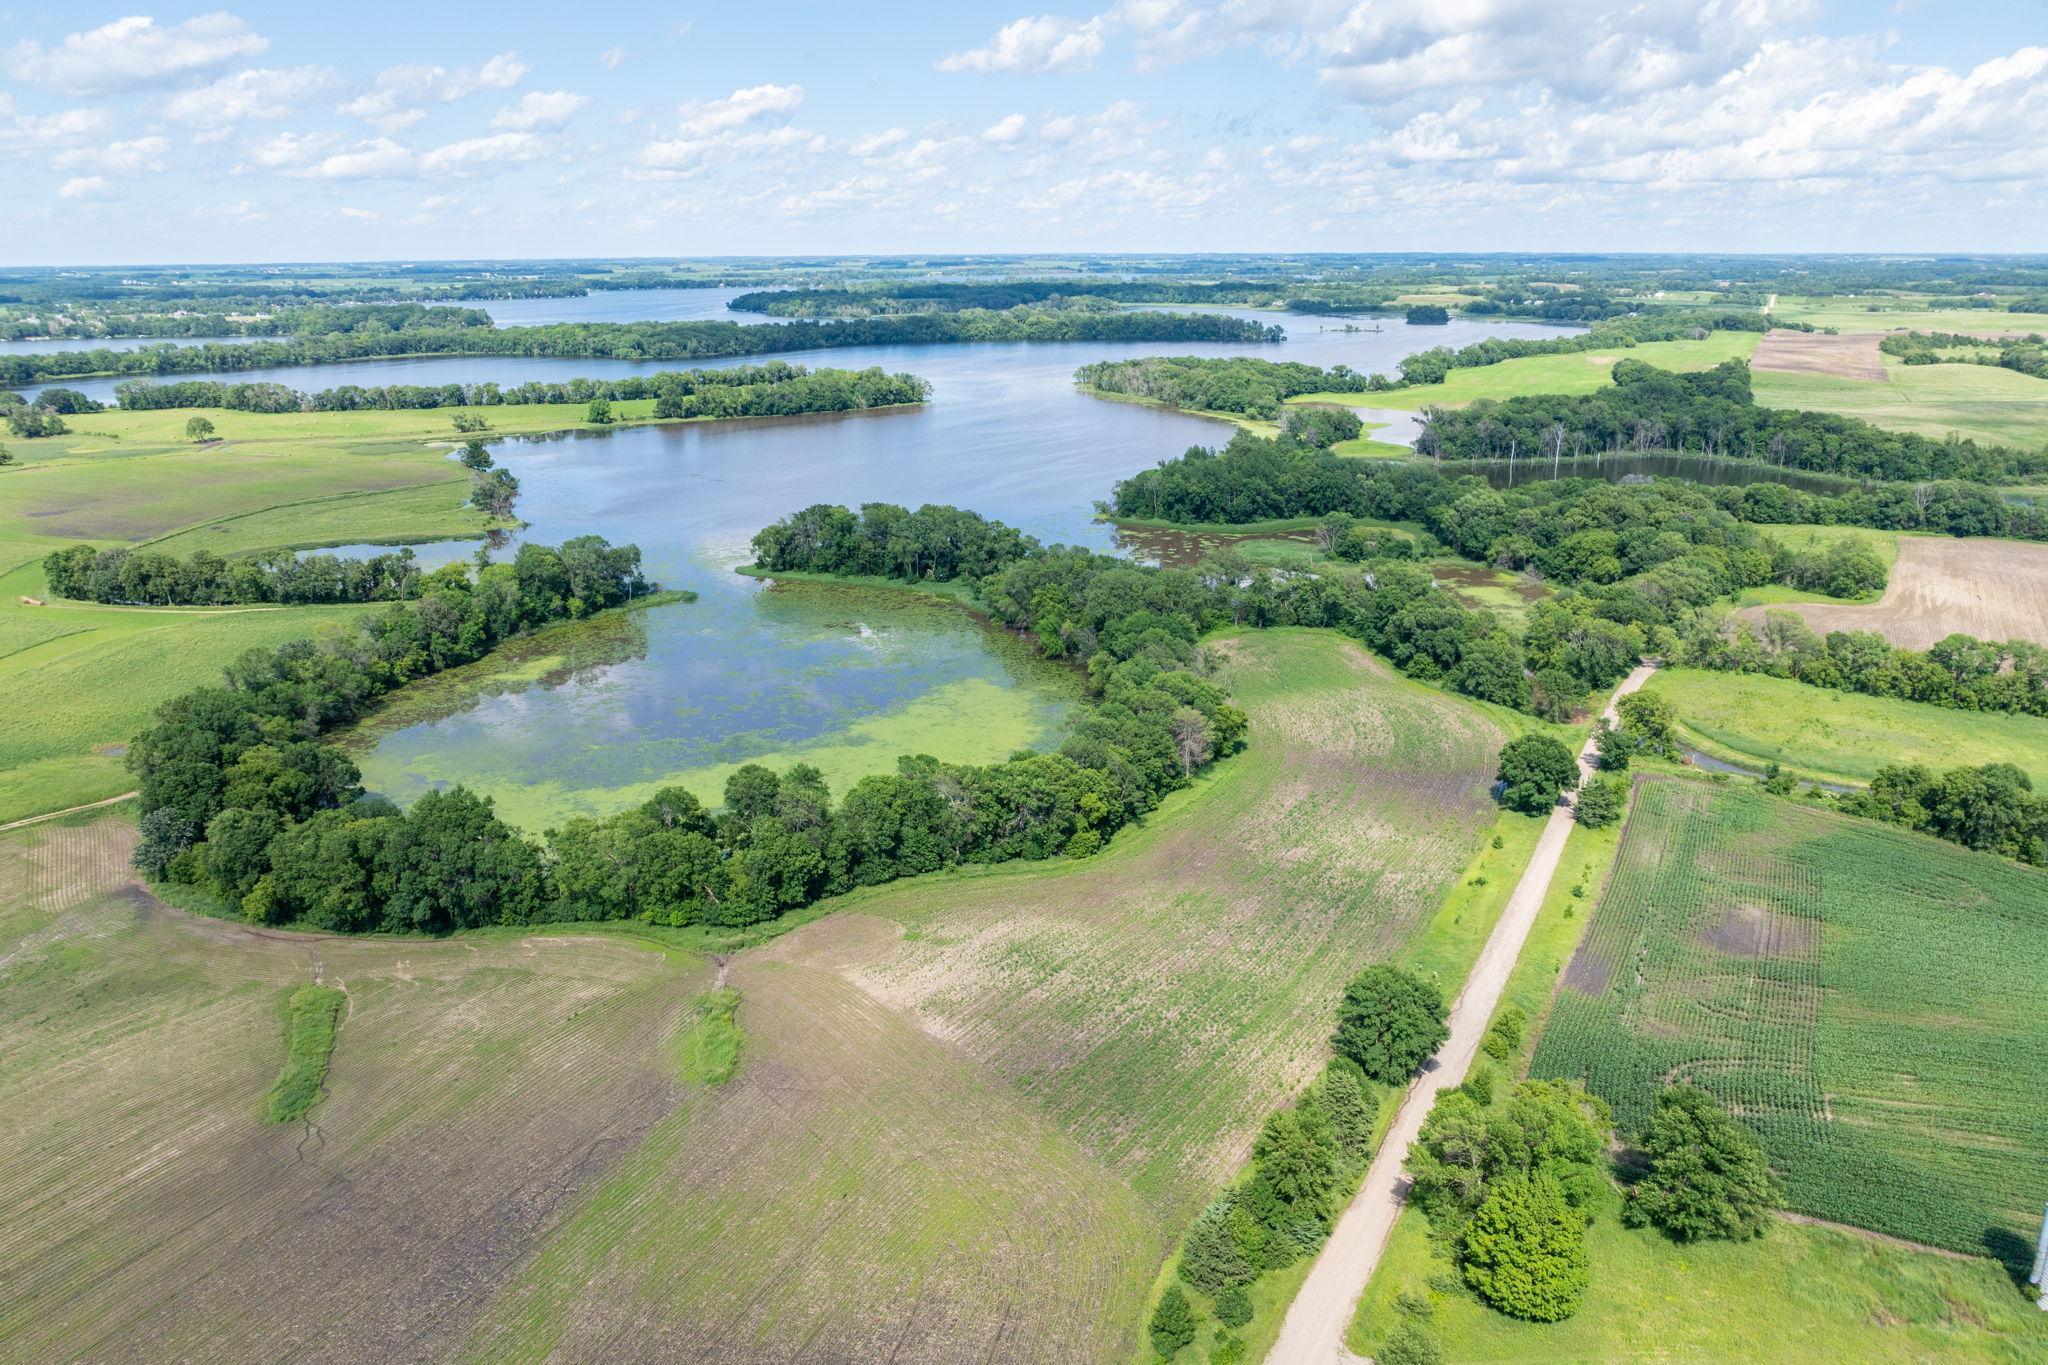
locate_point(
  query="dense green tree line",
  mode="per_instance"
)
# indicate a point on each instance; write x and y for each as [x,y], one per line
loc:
[1712,412]
[235,784]
[1991,808]
[942,296]
[1959,671]
[153,578]
[2027,354]
[770,390]
[643,341]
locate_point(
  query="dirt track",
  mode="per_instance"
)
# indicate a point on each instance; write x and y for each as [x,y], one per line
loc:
[1847,357]
[1321,1314]
[1992,589]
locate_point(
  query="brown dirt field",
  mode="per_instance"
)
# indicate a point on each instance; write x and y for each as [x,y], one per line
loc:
[1850,357]
[152,1213]
[1992,589]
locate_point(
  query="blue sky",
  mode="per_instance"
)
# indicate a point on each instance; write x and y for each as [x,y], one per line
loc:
[379,130]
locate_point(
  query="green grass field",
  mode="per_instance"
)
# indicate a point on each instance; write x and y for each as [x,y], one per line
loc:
[1804,1295]
[1859,995]
[1981,402]
[1578,372]
[1844,737]
[1896,313]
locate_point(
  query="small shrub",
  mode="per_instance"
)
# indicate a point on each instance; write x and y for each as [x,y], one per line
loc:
[1410,1343]
[1504,1036]
[1413,1303]
[1234,1306]
[1600,802]
[1479,1085]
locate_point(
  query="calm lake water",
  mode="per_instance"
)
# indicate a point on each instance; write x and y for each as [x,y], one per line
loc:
[840,677]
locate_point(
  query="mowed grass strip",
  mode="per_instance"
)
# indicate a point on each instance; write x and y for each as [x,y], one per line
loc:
[1843,737]
[312,1015]
[1861,996]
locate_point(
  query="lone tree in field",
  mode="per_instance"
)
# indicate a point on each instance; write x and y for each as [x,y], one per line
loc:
[1533,770]
[198,429]
[1708,1174]
[1525,1250]
[1389,1022]
[600,413]
[475,455]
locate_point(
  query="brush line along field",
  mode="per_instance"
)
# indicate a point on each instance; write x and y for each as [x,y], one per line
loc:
[971,1112]
[1864,998]
[1992,589]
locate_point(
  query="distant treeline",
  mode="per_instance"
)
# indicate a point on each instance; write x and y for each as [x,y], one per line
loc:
[771,390]
[239,795]
[642,341]
[154,579]
[1256,388]
[306,320]
[1710,413]
[2027,354]
[934,296]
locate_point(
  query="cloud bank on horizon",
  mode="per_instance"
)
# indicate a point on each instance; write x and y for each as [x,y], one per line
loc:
[274,132]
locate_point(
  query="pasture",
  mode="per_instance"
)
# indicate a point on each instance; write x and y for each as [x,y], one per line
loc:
[1901,313]
[1860,996]
[1979,402]
[971,1112]
[82,678]
[1575,372]
[1843,737]
[1803,1295]
[1992,589]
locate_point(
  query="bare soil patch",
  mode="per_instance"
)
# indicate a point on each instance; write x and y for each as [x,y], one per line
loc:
[1848,357]
[1993,589]
[1754,931]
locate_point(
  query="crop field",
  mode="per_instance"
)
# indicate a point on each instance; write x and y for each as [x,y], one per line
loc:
[1992,589]
[1860,996]
[1902,312]
[1850,357]
[969,1116]
[1842,737]
[1578,372]
[476,1087]
[1982,402]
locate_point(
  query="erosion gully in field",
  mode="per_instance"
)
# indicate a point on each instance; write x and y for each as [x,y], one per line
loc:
[973,1111]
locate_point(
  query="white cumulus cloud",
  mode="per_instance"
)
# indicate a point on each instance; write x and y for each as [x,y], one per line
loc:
[395,101]
[1046,42]
[540,109]
[258,93]
[84,187]
[133,53]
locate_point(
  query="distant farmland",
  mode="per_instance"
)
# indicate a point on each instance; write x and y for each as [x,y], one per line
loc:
[1866,999]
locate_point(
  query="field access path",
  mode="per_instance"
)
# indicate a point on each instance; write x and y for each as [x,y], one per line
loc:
[1319,1318]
